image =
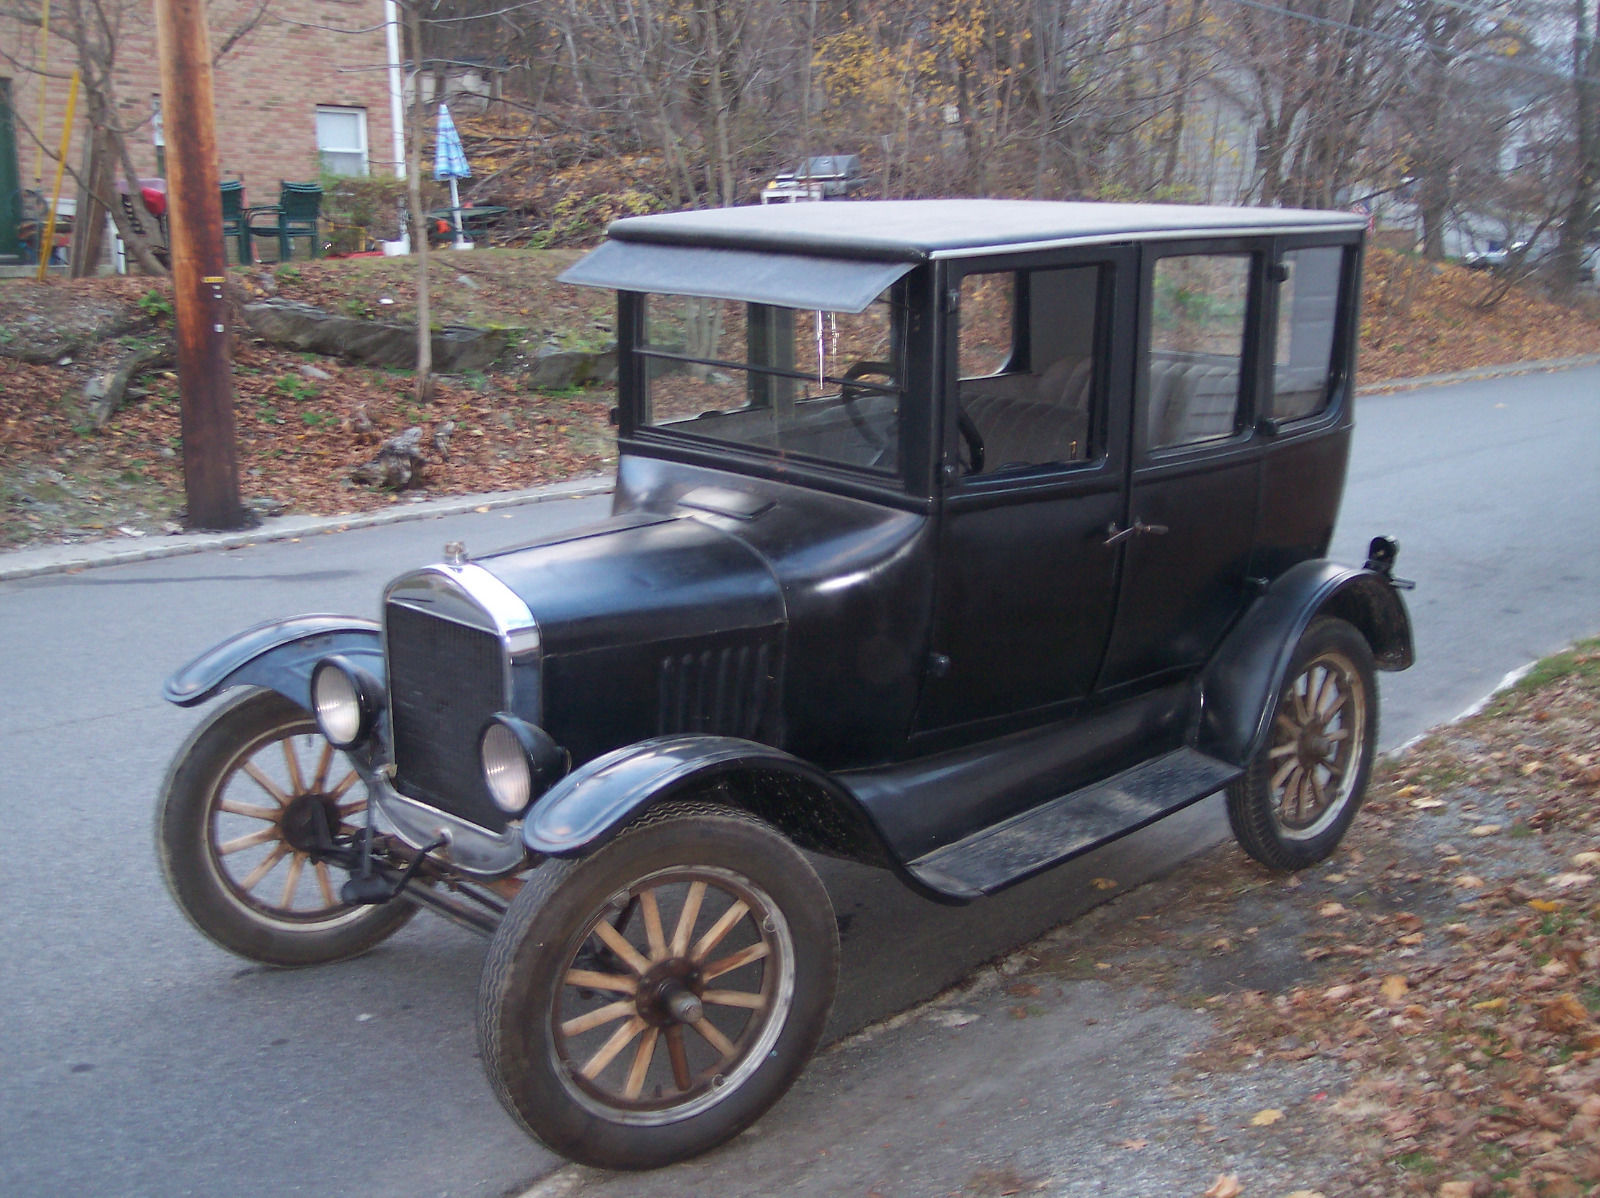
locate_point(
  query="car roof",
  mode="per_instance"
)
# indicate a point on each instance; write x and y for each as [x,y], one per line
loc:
[915,230]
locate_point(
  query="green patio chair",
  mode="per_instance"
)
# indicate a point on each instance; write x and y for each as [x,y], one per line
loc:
[294,215]
[233,224]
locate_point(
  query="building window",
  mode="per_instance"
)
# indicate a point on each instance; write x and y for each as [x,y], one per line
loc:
[342,140]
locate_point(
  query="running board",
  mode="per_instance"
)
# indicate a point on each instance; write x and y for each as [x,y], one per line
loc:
[1017,848]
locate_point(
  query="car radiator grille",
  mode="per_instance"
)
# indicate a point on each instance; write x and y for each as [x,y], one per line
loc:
[725,692]
[445,681]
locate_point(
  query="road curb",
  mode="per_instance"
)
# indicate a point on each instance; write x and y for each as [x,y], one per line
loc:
[1477,374]
[62,559]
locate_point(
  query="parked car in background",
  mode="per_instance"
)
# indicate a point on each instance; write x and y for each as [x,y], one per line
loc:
[958,538]
[828,177]
[1495,256]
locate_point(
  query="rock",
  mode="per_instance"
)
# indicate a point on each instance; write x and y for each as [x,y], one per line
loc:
[314,372]
[398,464]
[456,349]
[104,392]
[557,368]
[441,439]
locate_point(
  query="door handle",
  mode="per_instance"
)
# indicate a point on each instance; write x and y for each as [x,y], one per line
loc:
[1115,535]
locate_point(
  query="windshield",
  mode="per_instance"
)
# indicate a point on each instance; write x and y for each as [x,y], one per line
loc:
[823,386]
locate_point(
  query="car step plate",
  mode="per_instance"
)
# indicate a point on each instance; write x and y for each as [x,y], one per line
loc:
[1063,828]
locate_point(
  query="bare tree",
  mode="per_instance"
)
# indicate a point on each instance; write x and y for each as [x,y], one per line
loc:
[1581,223]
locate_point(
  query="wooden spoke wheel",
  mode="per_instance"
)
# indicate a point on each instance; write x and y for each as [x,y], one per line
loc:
[649,1002]
[246,801]
[1295,801]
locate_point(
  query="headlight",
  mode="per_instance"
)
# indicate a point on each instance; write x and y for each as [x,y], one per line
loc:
[519,761]
[346,700]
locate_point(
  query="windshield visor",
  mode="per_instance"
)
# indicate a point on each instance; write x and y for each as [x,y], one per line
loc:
[794,280]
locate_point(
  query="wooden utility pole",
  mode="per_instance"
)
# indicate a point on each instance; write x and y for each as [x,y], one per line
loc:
[199,269]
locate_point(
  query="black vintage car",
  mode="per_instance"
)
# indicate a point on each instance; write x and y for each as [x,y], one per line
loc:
[956,537]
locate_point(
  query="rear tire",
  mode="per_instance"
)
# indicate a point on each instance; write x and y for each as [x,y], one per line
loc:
[651,1001]
[1296,799]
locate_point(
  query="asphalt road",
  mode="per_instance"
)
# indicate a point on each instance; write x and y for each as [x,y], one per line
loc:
[136,1059]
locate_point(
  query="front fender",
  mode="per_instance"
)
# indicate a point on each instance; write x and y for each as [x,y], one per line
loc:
[591,804]
[278,655]
[1240,685]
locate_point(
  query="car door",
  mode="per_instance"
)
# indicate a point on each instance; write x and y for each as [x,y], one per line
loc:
[1189,525]
[1039,354]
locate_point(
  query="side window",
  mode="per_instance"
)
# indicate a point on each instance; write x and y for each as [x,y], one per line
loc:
[1197,325]
[1308,310]
[1026,351]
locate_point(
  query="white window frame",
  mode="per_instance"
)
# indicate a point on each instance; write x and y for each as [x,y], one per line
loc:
[324,149]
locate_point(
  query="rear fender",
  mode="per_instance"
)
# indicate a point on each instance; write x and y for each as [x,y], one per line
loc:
[278,655]
[594,802]
[1241,684]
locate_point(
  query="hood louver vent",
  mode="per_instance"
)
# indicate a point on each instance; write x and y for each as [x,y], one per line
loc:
[721,692]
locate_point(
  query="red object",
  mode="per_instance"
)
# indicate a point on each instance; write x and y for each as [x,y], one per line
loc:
[155,200]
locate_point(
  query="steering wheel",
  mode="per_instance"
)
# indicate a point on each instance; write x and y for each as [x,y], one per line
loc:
[973,440]
[848,396]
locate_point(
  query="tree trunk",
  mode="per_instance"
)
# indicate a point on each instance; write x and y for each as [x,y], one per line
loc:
[419,218]
[1582,218]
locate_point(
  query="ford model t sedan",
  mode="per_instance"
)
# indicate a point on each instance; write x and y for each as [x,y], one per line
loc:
[955,537]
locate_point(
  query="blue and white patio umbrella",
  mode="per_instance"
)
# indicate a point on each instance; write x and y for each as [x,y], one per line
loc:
[450,162]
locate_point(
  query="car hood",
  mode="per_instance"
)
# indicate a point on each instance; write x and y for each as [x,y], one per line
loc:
[639,579]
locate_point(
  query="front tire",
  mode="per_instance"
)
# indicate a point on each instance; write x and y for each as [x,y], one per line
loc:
[1296,799]
[651,1001]
[233,828]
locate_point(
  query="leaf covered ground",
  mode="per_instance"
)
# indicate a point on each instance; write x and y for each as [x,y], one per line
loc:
[304,424]
[1439,976]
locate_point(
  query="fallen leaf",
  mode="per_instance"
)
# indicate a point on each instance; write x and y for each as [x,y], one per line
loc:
[1427,804]
[1564,1013]
[1329,910]
[1455,1189]
[1134,1145]
[1585,860]
[1394,987]
[1226,1186]
[1490,1004]
[1104,883]
[1545,905]
[1568,881]
[1266,1118]
[1468,882]
[1485,830]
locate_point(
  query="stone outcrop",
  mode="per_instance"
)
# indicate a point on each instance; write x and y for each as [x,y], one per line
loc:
[300,326]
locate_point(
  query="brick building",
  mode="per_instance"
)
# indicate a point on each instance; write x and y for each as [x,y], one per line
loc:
[300,88]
